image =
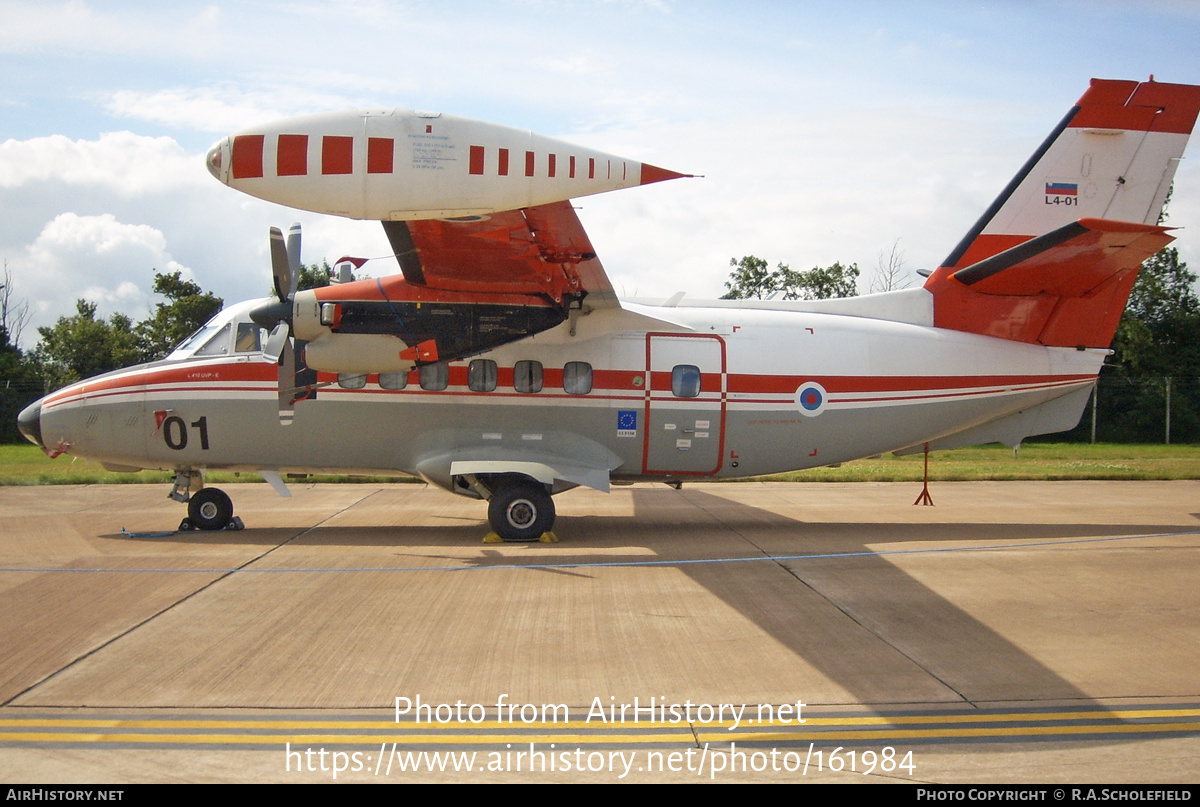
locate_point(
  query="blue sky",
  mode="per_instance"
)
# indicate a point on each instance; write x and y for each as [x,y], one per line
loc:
[824,131]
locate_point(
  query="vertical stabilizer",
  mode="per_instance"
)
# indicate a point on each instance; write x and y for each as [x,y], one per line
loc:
[1112,157]
[1054,257]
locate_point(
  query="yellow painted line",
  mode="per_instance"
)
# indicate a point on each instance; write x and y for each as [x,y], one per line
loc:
[874,728]
[685,737]
[349,739]
[1012,731]
[648,725]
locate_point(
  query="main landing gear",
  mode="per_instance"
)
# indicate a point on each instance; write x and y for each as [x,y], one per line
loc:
[521,511]
[519,507]
[208,508]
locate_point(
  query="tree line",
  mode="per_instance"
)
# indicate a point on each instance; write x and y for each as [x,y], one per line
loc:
[84,345]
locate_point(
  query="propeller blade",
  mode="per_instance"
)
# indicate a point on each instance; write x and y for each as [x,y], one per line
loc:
[293,254]
[276,342]
[280,266]
[287,384]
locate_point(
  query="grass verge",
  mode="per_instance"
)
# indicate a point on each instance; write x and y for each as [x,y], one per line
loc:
[27,465]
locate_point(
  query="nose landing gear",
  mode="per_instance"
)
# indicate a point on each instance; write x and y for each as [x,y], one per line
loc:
[208,508]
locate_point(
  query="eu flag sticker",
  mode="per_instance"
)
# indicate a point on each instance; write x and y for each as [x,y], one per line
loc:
[627,423]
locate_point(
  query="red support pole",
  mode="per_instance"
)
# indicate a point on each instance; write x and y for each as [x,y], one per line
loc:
[925,498]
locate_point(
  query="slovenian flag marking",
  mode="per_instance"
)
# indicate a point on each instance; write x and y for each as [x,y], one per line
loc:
[1062,189]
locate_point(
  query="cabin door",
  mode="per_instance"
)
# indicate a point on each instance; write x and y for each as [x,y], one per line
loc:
[685,404]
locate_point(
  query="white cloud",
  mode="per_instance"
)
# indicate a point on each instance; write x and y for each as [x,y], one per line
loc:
[77,27]
[98,258]
[125,163]
[816,148]
[221,109]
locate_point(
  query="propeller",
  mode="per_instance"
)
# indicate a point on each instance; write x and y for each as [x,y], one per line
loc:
[277,316]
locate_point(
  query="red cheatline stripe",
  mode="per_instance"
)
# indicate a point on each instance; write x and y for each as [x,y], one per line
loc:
[788,384]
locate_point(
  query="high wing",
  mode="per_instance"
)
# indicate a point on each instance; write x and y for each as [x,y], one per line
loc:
[468,285]
[540,250]
[478,215]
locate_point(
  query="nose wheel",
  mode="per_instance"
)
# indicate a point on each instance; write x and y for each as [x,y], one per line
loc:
[521,511]
[210,509]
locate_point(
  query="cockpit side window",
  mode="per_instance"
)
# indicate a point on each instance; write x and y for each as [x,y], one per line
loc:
[249,338]
[198,338]
[219,344]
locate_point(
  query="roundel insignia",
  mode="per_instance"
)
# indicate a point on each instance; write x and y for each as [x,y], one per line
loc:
[811,399]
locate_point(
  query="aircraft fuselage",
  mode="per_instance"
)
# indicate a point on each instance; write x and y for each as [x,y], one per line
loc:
[716,393]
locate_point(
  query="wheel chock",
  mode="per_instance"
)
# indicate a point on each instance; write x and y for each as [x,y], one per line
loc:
[547,538]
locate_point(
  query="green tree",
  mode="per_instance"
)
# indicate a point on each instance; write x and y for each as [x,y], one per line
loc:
[81,346]
[1158,337]
[187,308]
[313,276]
[1159,333]
[19,386]
[750,279]
[818,283]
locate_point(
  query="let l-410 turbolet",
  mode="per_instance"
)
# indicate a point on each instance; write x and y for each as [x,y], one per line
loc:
[501,365]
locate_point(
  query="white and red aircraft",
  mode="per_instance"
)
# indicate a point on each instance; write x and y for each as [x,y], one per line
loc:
[501,365]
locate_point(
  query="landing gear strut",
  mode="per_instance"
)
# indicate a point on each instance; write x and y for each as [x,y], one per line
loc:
[521,510]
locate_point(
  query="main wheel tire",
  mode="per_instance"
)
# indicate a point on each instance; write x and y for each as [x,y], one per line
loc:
[210,509]
[521,511]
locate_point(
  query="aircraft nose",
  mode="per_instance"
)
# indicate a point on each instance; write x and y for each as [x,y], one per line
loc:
[30,423]
[214,160]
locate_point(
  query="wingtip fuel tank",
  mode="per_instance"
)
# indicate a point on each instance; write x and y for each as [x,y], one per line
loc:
[405,165]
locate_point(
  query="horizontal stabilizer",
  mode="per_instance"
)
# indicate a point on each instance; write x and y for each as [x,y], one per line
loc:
[1066,288]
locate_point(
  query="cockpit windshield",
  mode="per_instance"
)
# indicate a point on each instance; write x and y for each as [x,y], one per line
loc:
[229,332]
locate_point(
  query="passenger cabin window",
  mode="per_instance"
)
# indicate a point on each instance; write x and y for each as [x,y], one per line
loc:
[435,377]
[481,375]
[352,380]
[685,381]
[219,344]
[393,380]
[527,376]
[577,378]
